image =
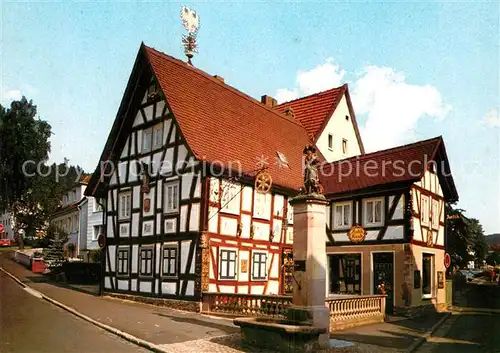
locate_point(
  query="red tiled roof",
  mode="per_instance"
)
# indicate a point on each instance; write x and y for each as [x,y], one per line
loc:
[313,110]
[400,164]
[222,124]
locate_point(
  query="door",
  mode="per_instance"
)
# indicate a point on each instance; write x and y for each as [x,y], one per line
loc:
[383,277]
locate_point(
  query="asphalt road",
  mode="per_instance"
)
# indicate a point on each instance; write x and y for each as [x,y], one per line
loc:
[468,332]
[31,325]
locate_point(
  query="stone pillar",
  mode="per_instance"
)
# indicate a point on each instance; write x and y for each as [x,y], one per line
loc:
[309,256]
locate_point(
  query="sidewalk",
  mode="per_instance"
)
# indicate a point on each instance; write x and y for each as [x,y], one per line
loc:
[182,332]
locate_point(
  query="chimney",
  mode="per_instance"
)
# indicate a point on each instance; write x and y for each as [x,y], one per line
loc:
[269,101]
[220,78]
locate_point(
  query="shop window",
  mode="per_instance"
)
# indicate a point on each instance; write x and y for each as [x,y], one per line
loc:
[345,273]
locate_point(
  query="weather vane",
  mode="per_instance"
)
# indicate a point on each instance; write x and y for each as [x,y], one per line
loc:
[191,22]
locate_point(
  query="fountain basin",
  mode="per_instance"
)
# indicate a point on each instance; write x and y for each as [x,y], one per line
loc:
[279,335]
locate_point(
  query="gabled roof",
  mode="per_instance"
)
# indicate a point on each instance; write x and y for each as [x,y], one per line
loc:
[401,164]
[314,111]
[219,123]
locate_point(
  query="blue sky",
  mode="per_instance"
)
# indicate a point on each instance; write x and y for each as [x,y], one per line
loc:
[415,70]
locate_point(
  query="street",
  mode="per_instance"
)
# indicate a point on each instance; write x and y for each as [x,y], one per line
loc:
[466,331]
[29,324]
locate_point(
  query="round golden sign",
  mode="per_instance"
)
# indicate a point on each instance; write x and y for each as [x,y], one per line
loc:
[263,182]
[430,240]
[356,234]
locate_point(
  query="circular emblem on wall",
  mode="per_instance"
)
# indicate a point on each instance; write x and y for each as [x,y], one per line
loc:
[447,260]
[101,241]
[430,240]
[356,234]
[263,182]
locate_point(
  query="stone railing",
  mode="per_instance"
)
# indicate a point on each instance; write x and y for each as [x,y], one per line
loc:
[237,305]
[349,311]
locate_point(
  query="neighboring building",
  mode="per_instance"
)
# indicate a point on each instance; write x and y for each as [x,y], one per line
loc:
[6,220]
[399,201]
[81,218]
[330,122]
[192,223]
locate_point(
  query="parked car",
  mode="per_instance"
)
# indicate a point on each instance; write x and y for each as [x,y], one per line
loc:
[470,274]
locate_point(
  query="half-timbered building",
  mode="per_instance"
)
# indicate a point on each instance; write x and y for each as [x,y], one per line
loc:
[386,226]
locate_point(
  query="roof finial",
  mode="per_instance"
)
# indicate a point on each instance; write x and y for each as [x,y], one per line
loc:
[191,22]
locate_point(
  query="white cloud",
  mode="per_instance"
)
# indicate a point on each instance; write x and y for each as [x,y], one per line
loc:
[393,107]
[9,95]
[319,78]
[492,118]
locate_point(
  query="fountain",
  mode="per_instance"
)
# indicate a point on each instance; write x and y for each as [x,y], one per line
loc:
[306,328]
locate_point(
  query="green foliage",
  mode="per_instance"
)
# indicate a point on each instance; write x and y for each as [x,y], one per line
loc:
[95,255]
[463,237]
[28,187]
[493,259]
[23,138]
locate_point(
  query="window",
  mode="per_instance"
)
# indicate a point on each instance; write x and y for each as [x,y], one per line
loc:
[259,265]
[69,225]
[230,201]
[344,273]
[347,117]
[227,264]
[262,205]
[427,271]
[424,212]
[169,261]
[342,216]
[158,136]
[124,205]
[98,230]
[330,141]
[146,140]
[344,146]
[146,262]
[98,205]
[373,212]
[172,197]
[75,223]
[122,266]
[435,214]
[74,195]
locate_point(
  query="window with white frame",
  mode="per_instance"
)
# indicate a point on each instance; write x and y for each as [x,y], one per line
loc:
[344,146]
[373,211]
[146,140]
[424,209]
[125,204]
[435,214]
[146,262]
[259,265]
[262,205]
[230,201]
[122,261]
[342,214]
[158,136]
[427,275]
[171,196]
[169,261]
[227,264]
[98,230]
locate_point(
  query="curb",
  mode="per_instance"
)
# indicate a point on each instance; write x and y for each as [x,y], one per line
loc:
[138,341]
[426,336]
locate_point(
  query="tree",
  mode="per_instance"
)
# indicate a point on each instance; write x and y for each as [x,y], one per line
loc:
[23,138]
[29,188]
[464,237]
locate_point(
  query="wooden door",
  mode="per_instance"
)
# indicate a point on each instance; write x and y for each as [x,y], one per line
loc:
[383,277]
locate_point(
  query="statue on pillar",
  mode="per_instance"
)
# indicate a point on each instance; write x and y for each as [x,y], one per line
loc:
[311,177]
